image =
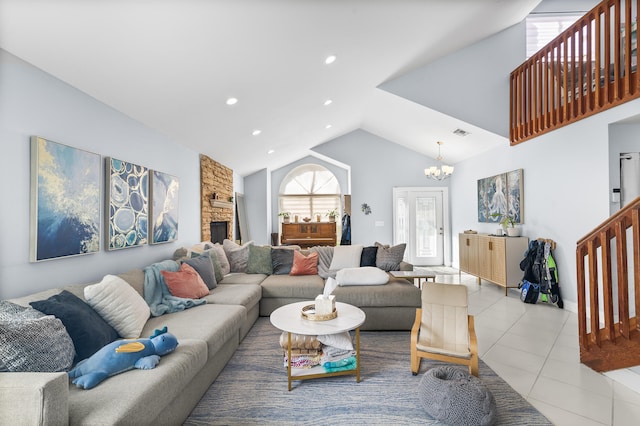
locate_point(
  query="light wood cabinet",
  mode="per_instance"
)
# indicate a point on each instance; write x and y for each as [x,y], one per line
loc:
[495,259]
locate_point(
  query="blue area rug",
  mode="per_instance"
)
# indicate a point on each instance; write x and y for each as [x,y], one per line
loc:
[252,389]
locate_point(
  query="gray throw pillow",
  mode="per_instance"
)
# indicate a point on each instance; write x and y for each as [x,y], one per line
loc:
[238,255]
[281,261]
[204,268]
[217,268]
[225,268]
[389,258]
[33,342]
[259,260]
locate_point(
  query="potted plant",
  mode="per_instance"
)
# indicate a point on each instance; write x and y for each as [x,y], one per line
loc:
[508,223]
[286,216]
[332,215]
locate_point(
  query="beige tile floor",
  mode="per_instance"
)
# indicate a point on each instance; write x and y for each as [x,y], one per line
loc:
[535,349]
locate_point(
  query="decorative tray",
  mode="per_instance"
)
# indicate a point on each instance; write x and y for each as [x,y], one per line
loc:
[309,312]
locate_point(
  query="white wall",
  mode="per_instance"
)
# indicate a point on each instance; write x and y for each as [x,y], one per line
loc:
[566,187]
[35,103]
[377,166]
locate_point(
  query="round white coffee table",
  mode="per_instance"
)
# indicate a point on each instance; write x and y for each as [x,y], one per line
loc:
[289,318]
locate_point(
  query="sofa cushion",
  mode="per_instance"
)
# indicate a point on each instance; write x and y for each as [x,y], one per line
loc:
[204,268]
[281,261]
[346,257]
[119,305]
[396,293]
[304,265]
[389,258]
[87,329]
[137,396]
[368,257]
[259,260]
[240,278]
[229,294]
[238,255]
[33,342]
[215,324]
[185,283]
[366,275]
[293,286]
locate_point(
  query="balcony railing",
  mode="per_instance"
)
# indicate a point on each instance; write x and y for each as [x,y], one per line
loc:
[590,67]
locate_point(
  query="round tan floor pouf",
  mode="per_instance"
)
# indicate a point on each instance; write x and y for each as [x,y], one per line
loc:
[455,397]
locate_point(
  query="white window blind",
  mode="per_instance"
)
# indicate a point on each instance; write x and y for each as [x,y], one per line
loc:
[542,28]
[309,190]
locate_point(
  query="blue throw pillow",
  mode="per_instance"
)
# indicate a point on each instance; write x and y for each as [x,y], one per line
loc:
[88,331]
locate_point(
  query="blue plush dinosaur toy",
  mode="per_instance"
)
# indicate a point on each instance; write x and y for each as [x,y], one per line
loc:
[123,355]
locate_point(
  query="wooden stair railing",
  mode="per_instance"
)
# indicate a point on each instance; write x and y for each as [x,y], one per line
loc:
[612,341]
[579,73]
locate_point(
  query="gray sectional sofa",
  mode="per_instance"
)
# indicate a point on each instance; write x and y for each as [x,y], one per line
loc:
[208,335]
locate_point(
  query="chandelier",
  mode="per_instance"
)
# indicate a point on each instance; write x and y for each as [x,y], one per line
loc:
[441,172]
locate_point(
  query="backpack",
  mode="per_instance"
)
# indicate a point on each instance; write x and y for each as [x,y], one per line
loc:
[529,292]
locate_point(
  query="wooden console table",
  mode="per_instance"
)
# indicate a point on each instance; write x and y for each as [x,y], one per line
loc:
[308,234]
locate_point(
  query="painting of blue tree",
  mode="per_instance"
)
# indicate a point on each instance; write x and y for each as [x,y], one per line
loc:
[65,200]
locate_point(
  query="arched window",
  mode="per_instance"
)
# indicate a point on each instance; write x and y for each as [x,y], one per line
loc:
[309,190]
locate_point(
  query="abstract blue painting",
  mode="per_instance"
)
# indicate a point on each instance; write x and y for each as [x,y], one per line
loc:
[164,207]
[65,201]
[128,205]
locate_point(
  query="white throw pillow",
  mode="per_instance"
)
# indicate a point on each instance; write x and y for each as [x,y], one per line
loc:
[119,304]
[366,275]
[346,257]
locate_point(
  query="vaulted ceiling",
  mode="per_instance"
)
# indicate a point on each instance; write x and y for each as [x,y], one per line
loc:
[172,65]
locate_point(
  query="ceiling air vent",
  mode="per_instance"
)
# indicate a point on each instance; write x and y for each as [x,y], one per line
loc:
[460,132]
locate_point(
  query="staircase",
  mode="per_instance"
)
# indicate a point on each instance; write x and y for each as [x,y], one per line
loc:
[608,278]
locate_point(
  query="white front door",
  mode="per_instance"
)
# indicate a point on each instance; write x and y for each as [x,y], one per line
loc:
[419,222]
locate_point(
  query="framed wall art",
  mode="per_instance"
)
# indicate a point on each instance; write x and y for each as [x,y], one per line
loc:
[65,201]
[127,198]
[165,191]
[502,194]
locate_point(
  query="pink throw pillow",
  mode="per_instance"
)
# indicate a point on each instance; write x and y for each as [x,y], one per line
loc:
[186,282]
[304,265]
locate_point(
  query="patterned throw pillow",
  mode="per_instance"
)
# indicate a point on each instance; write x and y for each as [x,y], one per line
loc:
[389,258]
[33,342]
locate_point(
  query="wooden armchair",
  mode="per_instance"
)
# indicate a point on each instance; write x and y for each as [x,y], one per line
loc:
[443,330]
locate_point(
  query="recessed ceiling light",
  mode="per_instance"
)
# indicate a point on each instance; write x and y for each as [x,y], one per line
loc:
[232,101]
[271,151]
[256,132]
[330,59]
[328,126]
[328,102]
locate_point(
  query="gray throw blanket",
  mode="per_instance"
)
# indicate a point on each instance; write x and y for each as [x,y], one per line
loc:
[156,292]
[325,256]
